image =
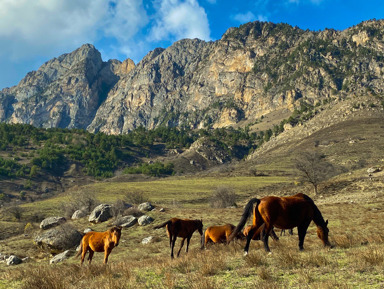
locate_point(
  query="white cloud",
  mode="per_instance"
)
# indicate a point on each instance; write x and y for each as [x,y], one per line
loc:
[316,2]
[244,17]
[125,19]
[179,19]
[42,27]
[248,17]
[37,27]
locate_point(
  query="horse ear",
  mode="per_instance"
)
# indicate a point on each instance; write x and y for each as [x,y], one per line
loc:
[326,222]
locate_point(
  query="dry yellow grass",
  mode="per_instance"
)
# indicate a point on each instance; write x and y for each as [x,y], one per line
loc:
[357,261]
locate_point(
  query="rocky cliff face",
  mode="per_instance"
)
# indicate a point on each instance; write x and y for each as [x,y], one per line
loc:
[64,92]
[252,70]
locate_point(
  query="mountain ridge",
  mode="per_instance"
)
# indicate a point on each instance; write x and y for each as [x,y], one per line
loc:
[253,70]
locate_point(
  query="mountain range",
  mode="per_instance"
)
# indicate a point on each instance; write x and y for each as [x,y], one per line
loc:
[255,70]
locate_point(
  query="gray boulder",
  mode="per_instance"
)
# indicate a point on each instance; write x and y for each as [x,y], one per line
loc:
[145,220]
[62,256]
[373,170]
[87,230]
[101,213]
[147,206]
[126,221]
[58,239]
[79,214]
[52,222]
[3,257]
[13,260]
[147,240]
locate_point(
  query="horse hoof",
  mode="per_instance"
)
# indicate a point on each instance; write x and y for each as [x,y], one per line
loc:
[269,253]
[245,253]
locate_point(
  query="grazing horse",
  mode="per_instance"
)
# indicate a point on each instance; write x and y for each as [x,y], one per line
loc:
[284,213]
[183,229]
[257,237]
[99,242]
[219,234]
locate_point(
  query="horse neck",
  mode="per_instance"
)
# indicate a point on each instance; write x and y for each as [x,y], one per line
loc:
[317,216]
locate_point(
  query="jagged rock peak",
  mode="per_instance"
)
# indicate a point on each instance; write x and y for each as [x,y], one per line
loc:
[258,29]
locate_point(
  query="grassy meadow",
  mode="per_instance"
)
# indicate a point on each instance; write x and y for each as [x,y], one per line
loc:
[355,222]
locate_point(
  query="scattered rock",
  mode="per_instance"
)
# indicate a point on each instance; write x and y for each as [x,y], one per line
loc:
[147,206]
[58,239]
[3,257]
[101,213]
[52,222]
[145,220]
[62,256]
[13,260]
[147,240]
[162,210]
[79,214]
[373,170]
[87,230]
[125,222]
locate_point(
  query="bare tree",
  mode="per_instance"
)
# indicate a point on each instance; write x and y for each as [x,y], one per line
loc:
[79,200]
[223,197]
[313,168]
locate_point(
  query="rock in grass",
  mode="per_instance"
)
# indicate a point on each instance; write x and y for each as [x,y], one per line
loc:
[52,222]
[62,256]
[13,260]
[145,220]
[58,239]
[101,213]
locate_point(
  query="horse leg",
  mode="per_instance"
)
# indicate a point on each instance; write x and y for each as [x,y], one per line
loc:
[253,231]
[273,235]
[85,249]
[302,231]
[90,256]
[107,251]
[188,239]
[173,238]
[181,246]
[265,234]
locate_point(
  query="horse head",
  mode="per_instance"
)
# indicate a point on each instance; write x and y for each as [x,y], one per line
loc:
[116,234]
[322,233]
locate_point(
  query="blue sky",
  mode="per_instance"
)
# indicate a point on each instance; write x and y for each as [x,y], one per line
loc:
[34,31]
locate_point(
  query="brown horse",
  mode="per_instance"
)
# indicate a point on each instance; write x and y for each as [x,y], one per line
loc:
[99,242]
[183,229]
[219,234]
[284,213]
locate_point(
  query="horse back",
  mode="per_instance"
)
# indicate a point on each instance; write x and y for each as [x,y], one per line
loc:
[286,212]
[182,228]
[219,233]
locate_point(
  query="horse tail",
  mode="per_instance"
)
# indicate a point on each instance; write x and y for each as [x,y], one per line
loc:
[81,249]
[247,212]
[163,224]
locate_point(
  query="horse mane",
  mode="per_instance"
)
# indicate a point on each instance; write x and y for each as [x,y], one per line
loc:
[163,224]
[317,217]
[247,212]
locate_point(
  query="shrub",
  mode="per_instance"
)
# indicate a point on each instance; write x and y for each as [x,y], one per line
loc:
[79,200]
[156,169]
[135,198]
[223,197]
